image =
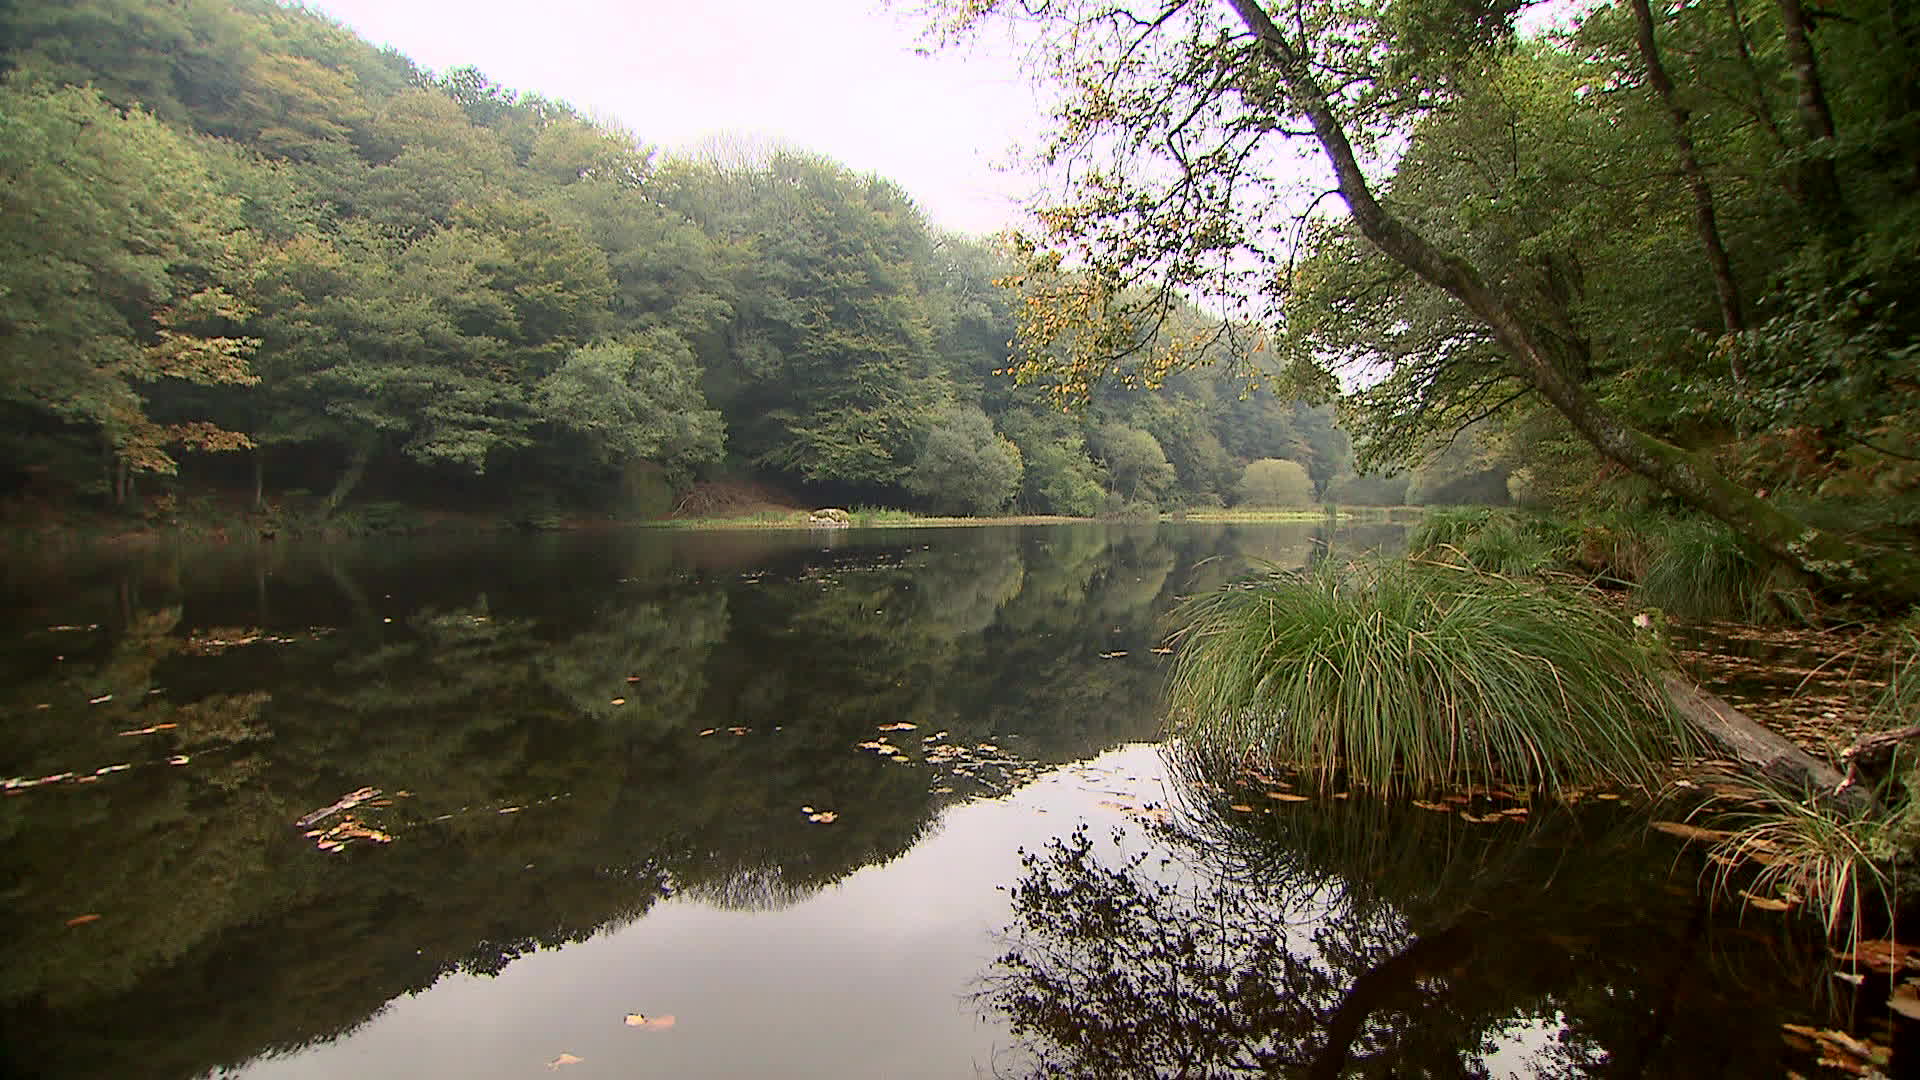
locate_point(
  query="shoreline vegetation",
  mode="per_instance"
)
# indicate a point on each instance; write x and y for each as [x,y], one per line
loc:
[1493,655]
[203,521]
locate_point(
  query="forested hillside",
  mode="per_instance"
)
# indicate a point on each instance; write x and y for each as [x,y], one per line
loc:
[244,251]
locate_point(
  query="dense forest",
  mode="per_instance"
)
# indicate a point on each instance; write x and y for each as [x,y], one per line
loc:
[247,252]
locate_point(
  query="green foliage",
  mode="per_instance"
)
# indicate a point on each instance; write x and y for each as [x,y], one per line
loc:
[469,294]
[1273,482]
[1136,464]
[636,399]
[963,466]
[118,258]
[1409,678]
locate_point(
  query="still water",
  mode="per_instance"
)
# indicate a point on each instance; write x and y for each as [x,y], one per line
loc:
[859,803]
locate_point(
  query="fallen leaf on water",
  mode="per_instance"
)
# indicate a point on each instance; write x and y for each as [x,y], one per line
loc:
[640,1020]
[101,699]
[564,1059]
[1241,807]
[987,748]
[1437,807]
[1764,903]
[1286,796]
[708,732]
[1115,655]
[1689,832]
[178,759]
[1161,652]
[1883,955]
[824,817]
[511,809]
[901,726]
[82,920]
[618,701]
[1905,1001]
[739,730]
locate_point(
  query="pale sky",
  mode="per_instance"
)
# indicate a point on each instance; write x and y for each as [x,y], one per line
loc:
[839,77]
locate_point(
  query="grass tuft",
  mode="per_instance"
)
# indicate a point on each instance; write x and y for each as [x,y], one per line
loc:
[1699,570]
[1407,678]
[1493,541]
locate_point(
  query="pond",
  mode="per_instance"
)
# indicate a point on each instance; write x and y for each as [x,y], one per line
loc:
[856,803]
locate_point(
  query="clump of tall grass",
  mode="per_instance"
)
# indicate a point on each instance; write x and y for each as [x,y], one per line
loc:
[1842,866]
[1698,569]
[1493,541]
[1808,852]
[1401,677]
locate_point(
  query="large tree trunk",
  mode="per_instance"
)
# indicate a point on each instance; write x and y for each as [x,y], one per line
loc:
[1762,106]
[1763,752]
[1887,576]
[1820,182]
[1704,221]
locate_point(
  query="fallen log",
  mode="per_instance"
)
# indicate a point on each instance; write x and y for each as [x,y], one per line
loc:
[1771,755]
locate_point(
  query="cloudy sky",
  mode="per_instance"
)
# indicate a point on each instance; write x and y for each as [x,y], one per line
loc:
[840,77]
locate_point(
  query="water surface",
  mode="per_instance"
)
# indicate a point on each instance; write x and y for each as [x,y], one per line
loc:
[765,804]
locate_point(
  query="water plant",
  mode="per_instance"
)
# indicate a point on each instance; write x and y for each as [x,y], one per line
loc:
[1402,677]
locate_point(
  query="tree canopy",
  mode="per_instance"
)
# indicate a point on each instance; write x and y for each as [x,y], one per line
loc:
[395,283]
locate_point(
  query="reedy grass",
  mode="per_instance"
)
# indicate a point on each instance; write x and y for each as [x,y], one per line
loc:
[1842,866]
[1410,678]
[1807,852]
[1493,541]
[1699,570]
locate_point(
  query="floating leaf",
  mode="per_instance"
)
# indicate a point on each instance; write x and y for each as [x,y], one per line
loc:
[564,1059]
[640,1020]
[1285,796]
[82,920]
[901,726]
[1243,808]
[1161,652]
[103,698]
[1764,903]
[618,701]
[1117,654]
[178,759]
[1689,832]
[708,732]
[824,817]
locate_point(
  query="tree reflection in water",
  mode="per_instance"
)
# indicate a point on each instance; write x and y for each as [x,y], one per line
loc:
[1347,938]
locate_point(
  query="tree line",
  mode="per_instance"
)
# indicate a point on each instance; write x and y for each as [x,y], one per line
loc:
[241,242]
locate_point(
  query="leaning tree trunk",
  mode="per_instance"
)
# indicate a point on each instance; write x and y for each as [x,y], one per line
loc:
[1889,576]
[1704,221]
